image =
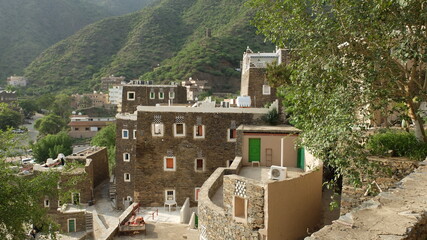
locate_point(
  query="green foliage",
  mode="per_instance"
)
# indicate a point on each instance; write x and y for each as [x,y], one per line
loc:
[29,107]
[50,124]
[345,55]
[61,105]
[400,143]
[9,118]
[164,42]
[21,196]
[120,7]
[107,138]
[272,117]
[52,145]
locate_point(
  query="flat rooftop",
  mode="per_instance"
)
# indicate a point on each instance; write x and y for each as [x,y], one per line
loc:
[85,153]
[269,129]
[262,173]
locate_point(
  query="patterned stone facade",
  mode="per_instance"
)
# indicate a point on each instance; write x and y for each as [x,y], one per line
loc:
[252,84]
[149,176]
[150,95]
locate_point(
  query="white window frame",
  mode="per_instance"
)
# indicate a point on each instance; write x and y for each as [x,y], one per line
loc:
[203,165]
[134,134]
[68,224]
[72,197]
[171,95]
[152,95]
[228,135]
[123,134]
[128,97]
[162,130]
[266,89]
[195,131]
[126,157]
[125,178]
[196,196]
[161,95]
[166,194]
[164,164]
[46,202]
[183,130]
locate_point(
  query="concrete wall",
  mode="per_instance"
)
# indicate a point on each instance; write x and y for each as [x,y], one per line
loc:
[294,205]
[272,141]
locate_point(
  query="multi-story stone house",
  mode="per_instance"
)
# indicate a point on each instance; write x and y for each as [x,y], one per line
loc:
[83,126]
[8,96]
[108,82]
[195,88]
[68,207]
[17,81]
[87,100]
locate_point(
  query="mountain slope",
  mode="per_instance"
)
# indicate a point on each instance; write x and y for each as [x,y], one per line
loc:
[120,7]
[164,42]
[28,27]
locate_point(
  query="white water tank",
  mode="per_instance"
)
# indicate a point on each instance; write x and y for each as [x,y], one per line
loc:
[243,101]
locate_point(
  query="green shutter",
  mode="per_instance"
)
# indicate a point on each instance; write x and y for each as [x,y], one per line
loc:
[301,158]
[254,149]
[71,225]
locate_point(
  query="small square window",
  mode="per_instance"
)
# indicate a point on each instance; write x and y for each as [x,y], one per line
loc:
[240,208]
[87,129]
[152,95]
[126,157]
[125,134]
[157,129]
[179,129]
[131,96]
[169,195]
[169,164]
[231,135]
[161,95]
[134,134]
[75,198]
[196,194]
[127,177]
[171,95]
[199,131]
[199,165]
[76,129]
[266,90]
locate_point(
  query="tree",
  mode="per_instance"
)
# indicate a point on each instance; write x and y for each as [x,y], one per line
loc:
[29,107]
[85,102]
[346,55]
[50,124]
[52,145]
[21,196]
[9,118]
[107,138]
[61,105]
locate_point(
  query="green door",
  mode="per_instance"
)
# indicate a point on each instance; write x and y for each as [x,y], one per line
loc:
[300,158]
[254,149]
[71,225]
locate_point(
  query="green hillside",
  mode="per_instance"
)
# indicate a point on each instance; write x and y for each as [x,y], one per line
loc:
[120,7]
[162,43]
[28,27]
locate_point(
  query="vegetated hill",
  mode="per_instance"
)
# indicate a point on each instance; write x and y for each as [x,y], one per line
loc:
[164,42]
[120,7]
[28,27]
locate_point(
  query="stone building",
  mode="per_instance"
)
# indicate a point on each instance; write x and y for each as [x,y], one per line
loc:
[7,96]
[135,94]
[254,82]
[167,152]
[88,168]
[195,88]
[87,100]
[272,189]
[83,126]
[17,81]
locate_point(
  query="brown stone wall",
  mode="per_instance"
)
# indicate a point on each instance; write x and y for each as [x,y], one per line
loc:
[61,219]
[125,189]
[100,166]
[252,81]
[148,178]
[142,96]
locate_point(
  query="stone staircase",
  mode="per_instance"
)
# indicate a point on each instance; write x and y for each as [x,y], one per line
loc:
[89,221]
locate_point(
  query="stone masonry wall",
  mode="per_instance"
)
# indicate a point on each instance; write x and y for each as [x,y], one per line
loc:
[252,82]
[125,189]
[399,213]
[151,180]
[100,166]
[61,219]
[142,96]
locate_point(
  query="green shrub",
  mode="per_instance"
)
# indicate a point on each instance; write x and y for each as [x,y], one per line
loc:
[272,117]
[400,143]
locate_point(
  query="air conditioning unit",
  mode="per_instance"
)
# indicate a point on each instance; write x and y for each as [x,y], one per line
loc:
[277,173]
